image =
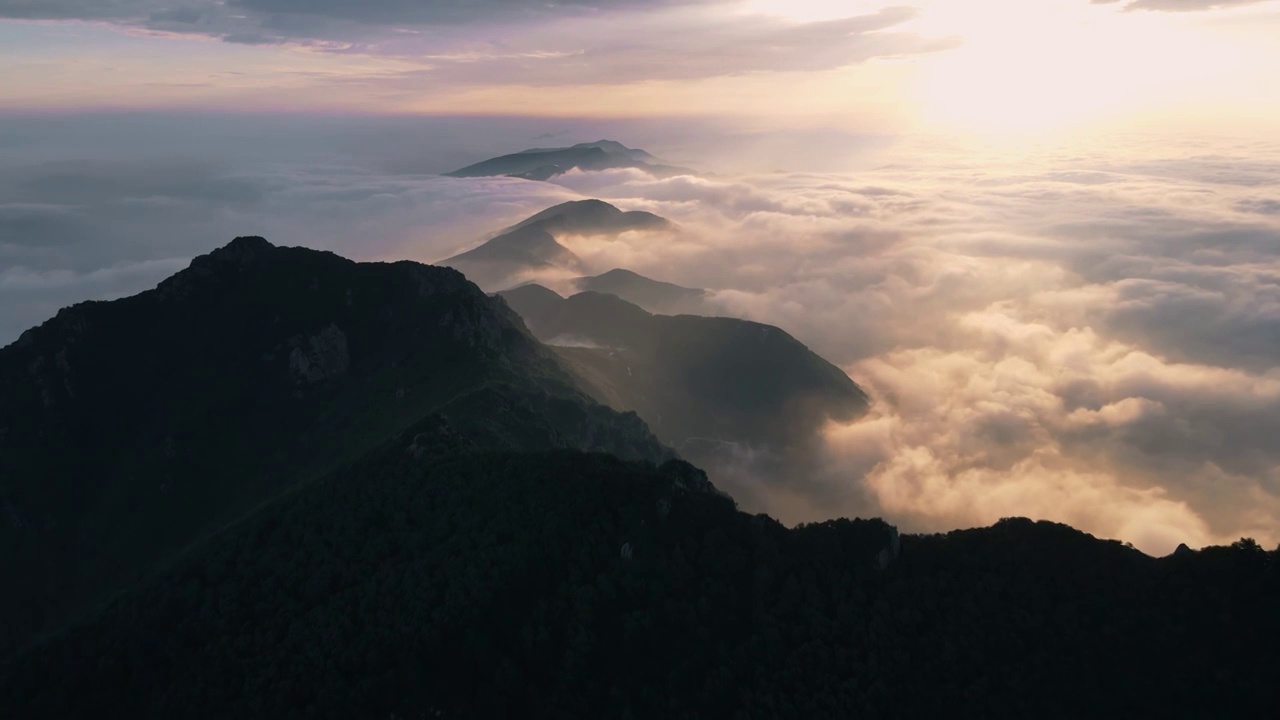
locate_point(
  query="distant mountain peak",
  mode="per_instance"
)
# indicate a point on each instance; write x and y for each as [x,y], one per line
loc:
[592,217]
[546,163]
[655,296]
[510,255]
[619,273]
[615,147]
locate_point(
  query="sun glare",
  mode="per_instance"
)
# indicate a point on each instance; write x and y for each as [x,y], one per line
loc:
[1042,68]
[1034,68]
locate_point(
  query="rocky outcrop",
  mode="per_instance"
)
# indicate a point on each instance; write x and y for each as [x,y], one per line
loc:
[322,356]
[892,551]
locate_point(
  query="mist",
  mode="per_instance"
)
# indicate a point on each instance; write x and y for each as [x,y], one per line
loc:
[1085,332]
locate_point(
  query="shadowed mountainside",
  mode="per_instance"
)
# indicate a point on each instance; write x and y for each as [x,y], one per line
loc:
[510,255]
[715,388]
[433,579]
[130,428]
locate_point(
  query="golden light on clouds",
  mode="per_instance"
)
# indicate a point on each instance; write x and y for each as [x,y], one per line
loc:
[1013,221]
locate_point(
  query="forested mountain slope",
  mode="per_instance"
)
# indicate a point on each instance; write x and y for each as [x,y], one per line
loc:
[435,579]
[132,427]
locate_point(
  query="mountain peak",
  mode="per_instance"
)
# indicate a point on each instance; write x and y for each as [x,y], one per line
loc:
[131,427]
[592,217]
[606,145]
[546,163]
[244,249]
[619,273]
[248,241]
[656,296]
[509,256]
[589,202]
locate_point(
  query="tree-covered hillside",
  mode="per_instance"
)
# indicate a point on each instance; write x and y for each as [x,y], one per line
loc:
[130,428]
[435,579]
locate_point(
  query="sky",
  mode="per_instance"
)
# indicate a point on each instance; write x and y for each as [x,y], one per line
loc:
[1043,234]
[984,65]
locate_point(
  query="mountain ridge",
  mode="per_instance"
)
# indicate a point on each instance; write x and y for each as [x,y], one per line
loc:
[512,254]
[655,296]
[717,389]
[386,498]
[435,580]
[255,368]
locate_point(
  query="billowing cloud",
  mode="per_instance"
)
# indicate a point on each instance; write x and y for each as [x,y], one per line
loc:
[1087,338]
[1090,337]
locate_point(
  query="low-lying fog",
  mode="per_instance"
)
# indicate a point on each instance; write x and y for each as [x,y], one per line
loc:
[1084,332]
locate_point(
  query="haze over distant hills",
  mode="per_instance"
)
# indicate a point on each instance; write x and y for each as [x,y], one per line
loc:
[284,484]
[718,389]
[130,428]
[516,253]
[590,217]
[546,163]
[657,297]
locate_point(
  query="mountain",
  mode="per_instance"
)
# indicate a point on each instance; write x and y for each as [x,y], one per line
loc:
[515,253]
[433,579]
[717,389]
[283,484]
[591,217]
[131,428]
[653,295]
[546,163]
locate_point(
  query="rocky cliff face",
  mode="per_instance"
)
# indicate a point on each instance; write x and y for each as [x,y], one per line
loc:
[323,355]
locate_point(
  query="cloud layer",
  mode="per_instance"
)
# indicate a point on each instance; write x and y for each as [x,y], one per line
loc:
[1085,336]
[1087,333]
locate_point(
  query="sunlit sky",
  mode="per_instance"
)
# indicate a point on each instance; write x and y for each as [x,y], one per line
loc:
[984,66]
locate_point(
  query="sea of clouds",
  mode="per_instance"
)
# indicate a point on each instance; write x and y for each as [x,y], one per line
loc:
[1086,332]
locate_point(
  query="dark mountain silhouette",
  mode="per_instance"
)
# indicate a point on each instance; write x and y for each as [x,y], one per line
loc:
[512,254]
[713,387]
[546,163]
[130,428]
[283,484]
[435,579]
[657,297]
